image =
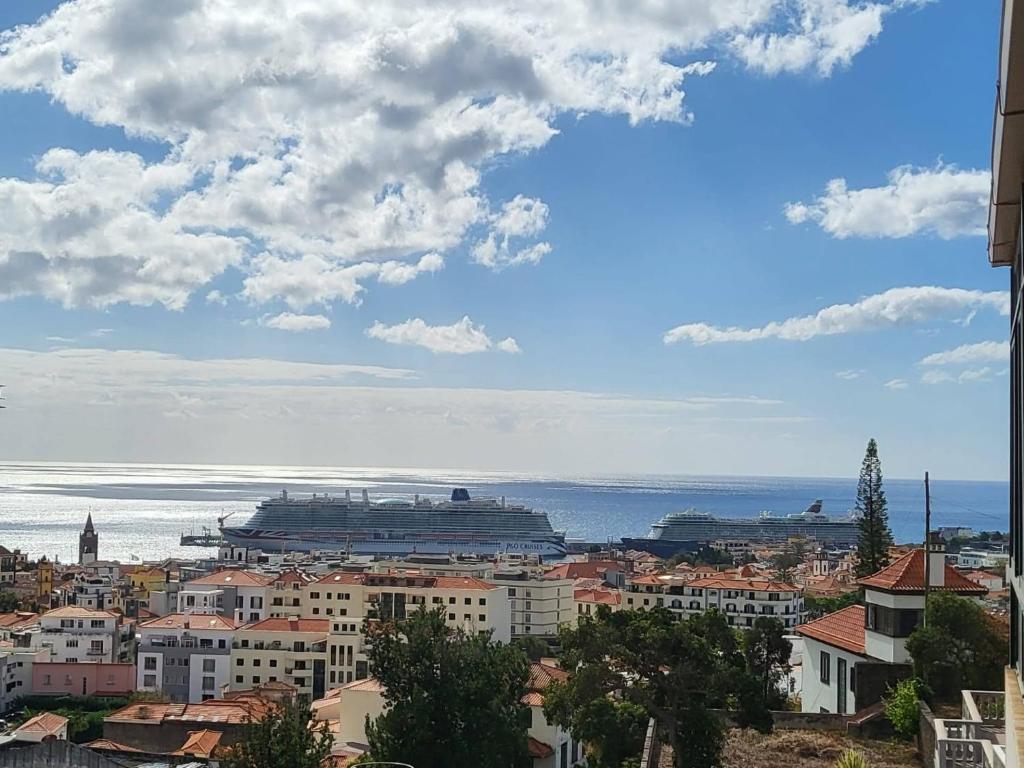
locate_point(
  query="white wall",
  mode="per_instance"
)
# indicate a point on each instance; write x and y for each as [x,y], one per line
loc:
[817,696]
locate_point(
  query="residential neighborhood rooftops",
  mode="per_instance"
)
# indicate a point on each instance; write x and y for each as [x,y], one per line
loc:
[750,585]
[906,574]
[407,580]
[78,612]
[597,596]
[843,629]
[368,685]
[200,744]
[289,624]
[590,569]
[233,711]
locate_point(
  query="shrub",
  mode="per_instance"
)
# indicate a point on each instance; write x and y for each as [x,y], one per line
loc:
[851,758]
[902,706]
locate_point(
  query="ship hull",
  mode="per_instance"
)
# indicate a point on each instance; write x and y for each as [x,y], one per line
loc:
[661,547]
[309,541]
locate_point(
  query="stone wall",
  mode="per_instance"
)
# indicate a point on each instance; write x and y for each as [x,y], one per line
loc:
[926,736]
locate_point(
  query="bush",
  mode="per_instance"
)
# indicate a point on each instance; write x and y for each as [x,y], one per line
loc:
[902,706]
[851,758]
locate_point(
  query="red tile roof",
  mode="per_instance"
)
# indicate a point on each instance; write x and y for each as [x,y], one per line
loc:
[842,629]
[78,612]
[191,621]
[591,569]
[233,577]
[290,624]
[597,596]
[239,710]
[46,722]
[18,620]
[543,675]
[538,749]
[106,745]
[907,575]
[749,585]
[200,744]
[532,699]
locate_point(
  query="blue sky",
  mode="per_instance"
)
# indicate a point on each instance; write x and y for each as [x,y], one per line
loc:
[652,223]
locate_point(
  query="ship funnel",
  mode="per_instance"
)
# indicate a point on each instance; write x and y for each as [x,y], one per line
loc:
[366,496]
[284,494]
[416,499]
[503,502]
[348,496]
[460,494]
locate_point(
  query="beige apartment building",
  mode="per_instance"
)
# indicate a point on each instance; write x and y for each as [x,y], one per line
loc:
[469,603]
[538,606]
[288,650]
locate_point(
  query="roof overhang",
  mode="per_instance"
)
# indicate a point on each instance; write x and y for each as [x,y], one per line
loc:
[1004,214]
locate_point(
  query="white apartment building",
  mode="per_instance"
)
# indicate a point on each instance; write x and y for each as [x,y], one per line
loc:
[187,657]
[742,600]
[74,634]
[469,603]
[239,594]
[538,607]
[16,673]
[93,591]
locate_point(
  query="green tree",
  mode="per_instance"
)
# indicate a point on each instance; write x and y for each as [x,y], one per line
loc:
[960,646]
[903,707]
[820,606]
[535,648]
[766,652]
[677,672]
[452,699]
[9,601]
[875,537]
[282,739]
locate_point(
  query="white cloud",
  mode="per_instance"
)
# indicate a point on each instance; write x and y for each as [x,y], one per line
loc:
[216,297]
[462,338]
[942,200]
[100,333]
[399,273]
[965,354]
[849,375]
[964,377]
[60,339]
[892,308]
[341,140]
[509,345]
[896,384]
[287,321]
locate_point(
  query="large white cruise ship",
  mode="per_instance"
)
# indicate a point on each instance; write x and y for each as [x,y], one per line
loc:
[397,527]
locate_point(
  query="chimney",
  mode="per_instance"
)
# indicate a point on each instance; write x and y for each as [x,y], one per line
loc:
[936,561]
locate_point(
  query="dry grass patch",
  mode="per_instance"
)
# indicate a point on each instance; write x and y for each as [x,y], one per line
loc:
[806,749]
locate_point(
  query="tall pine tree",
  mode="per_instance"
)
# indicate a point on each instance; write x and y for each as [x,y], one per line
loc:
[875,537]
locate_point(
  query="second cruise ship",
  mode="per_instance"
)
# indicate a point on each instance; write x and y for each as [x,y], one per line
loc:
[397,527]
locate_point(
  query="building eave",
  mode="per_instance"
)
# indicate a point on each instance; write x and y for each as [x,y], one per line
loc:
[1004,212]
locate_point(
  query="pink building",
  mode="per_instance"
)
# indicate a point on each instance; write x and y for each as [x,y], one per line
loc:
[82,679]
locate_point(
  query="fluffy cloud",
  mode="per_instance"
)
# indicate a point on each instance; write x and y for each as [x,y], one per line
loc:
[892,308]
[461,338]
[966,354]
[896,384]
[333,142]
[288,321]
[964,377]
[849,375]
[942,200]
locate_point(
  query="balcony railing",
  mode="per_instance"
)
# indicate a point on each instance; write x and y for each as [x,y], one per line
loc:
[978,739]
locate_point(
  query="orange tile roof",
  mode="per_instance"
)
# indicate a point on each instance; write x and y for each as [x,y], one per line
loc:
[538,749]
[233,577]
[750,585]
[532,699]
[842,629]
[106,745]
[907,575]
[293,576]
[406,581]
[18,619]
[290,624]
[191,621]
[591,569]
[597,596]
[200,744]
[77,612]
[238,710]
[45,722]
[543,675]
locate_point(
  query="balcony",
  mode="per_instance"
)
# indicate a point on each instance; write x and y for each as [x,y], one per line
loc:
[978,738]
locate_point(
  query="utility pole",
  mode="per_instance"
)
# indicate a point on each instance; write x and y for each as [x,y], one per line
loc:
[927,546]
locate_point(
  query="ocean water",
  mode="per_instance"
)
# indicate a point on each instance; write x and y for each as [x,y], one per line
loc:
[141,510]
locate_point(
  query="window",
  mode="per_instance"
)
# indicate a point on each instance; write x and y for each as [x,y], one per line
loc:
[150,663]
[826,668]
[239,661]
[482,617]
[451,617]
[314,595]
[256,662]
[149,681]
[209,665]
[451,601]
[72,644]
[255,679]
[46,680]
[469,601]
[238,678]
[208,683]
[273,662]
